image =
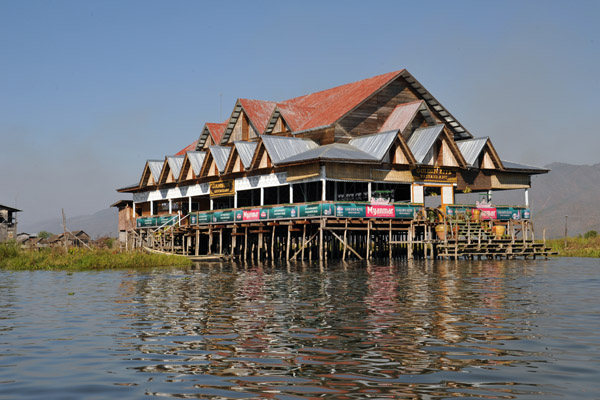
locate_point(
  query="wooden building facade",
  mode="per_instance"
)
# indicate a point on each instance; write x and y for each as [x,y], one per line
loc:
[341,164]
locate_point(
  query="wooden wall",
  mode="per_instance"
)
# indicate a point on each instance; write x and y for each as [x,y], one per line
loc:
[370,116]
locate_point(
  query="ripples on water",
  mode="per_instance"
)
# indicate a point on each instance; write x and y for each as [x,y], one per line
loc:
[490,329]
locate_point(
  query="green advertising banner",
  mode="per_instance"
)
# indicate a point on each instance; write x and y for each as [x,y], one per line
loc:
[222,216]
[193,218]
[283,212]
[146,222]
[309,210]
[406,212]
[167,220]
[204,218]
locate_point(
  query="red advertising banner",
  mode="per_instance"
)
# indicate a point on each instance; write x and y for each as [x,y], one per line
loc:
[488,213]
[380,211]
[251,215]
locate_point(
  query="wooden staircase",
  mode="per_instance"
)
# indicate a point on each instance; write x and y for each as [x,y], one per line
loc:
[476,239]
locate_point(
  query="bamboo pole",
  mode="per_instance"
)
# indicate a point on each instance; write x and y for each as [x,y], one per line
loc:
[289,240]
[321,227]
[273,244]
[303,241]
[345,248]
[368,239]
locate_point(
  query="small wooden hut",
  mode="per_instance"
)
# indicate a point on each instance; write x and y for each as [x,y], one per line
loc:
[8,223]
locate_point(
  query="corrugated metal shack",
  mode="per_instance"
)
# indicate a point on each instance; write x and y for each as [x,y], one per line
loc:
[366,169]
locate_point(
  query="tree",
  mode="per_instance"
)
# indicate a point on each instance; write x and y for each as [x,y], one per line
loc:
[590,234]
[44,234]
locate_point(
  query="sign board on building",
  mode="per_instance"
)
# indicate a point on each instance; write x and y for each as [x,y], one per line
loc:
[222,188]
[434,174]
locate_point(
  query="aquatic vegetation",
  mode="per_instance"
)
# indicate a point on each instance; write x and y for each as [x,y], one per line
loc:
[587,246]
[13,257]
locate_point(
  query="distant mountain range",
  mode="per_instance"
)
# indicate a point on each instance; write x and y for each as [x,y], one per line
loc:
[567,190]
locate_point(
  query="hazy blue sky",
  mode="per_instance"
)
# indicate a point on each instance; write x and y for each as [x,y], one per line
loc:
[89,90]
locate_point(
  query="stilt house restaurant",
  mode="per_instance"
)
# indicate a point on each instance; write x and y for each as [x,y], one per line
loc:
[350,171]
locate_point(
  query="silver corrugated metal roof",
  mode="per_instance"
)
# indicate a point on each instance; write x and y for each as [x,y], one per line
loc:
[156,167]
[422,139]
[471,149]
[280,147]
[196,160]
[508,165]
[377,144]
[220,155]
[334,151]
[175,163]
[246,151]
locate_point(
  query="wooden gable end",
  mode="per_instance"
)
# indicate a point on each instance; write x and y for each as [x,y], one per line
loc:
[209,167]
[234,163]
[446,151]
[165,173]
[261,158]
[489,159]
[147,179]
[400,153]
[280,126]
[187,172]
[208,142]
[242,130]
[369,116]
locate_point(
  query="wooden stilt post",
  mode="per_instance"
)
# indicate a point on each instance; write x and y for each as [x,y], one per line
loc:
[221,241]
[273,243]
[303,241]
[345,248]
[260,244]
[390,241]
[246,243]
[368,256]
[234,240]
[321,239]
[197,250]
[409,249]
[210,239]
[289,242]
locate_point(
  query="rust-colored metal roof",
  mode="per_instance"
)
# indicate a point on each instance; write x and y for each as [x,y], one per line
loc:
[294,115]
[258,112]
[216,130]
[401,116]
[330,105]
[190,147]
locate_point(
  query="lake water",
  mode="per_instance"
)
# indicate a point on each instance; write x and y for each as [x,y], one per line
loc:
[419,330]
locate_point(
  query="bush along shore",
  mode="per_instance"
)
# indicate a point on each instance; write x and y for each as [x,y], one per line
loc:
[587,245]
[15,258]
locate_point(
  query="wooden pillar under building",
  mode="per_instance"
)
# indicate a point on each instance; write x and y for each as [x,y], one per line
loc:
[221,241]
[321,227]
[303,241]
[273,242]
[345,247]
[210,239]
[368,256]
[233,240]
[245,243]
[390,241]
[289,242]
[197,250]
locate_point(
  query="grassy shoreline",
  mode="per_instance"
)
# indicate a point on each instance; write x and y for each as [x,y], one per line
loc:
[576,247]
[14,258]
